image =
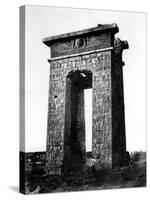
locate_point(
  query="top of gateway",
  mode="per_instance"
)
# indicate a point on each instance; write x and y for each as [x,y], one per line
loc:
[101,28]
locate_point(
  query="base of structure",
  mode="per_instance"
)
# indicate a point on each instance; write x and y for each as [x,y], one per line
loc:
[91,164]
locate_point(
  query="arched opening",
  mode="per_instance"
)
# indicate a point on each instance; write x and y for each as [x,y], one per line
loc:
[74,137]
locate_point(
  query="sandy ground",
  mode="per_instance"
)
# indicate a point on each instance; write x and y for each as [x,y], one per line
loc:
[126,177]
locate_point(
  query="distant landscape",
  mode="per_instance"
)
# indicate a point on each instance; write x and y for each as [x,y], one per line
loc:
[35,180]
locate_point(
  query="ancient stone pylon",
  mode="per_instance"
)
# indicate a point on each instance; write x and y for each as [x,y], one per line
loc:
[91,58]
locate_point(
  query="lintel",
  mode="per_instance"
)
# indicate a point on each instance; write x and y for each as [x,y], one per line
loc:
[99,29]
[80,54]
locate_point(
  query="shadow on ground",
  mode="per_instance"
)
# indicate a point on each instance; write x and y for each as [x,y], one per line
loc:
[14,188]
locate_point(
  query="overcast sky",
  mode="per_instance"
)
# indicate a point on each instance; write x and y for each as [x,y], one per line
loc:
[47,21]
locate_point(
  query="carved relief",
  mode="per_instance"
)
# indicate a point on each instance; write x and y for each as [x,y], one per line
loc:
[99,64]
[82,44]
[79,42]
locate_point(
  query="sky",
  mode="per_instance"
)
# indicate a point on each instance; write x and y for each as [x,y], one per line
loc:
[42,21]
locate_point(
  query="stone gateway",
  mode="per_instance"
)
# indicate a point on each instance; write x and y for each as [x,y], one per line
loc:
[90,58]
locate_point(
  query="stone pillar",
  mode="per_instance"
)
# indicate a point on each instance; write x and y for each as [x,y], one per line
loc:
[118,111]
[56,116]
[91,58]
[102,112]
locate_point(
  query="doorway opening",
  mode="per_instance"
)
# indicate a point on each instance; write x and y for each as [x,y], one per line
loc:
[75,135]
[88,119]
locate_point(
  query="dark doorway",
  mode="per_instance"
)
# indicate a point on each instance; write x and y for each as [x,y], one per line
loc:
[74,138]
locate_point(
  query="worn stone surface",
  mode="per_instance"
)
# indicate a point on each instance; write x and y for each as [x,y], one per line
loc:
[81,41]
[69,76]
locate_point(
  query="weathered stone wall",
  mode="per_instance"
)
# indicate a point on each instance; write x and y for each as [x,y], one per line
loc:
[80,45]
[90,59]
[56,116]
[102,130]
[60,91]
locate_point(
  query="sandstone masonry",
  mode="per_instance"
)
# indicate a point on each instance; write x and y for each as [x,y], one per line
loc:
[91,58]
